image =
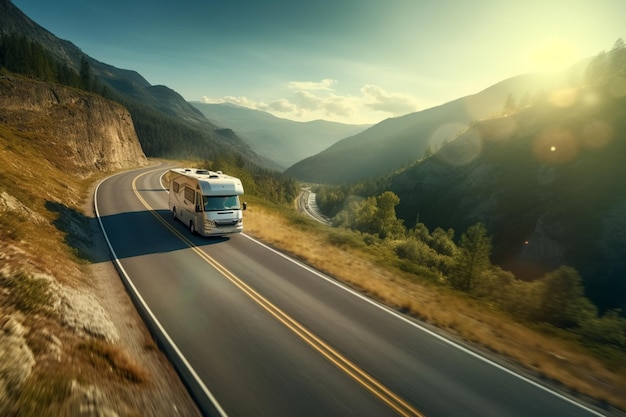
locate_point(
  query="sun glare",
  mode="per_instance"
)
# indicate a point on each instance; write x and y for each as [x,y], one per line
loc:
[552,55]
[556,146]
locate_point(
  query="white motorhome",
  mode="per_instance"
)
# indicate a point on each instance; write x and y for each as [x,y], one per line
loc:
[206,201]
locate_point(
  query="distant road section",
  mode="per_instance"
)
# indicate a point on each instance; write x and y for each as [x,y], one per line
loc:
[306,204]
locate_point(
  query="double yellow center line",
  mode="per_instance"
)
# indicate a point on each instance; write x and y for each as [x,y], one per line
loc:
[383,393]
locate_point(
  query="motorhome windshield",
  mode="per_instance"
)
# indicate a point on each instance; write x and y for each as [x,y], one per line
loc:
[230,202]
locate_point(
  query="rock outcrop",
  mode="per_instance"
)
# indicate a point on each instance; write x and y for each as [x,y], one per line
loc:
[91,131]
[17,358]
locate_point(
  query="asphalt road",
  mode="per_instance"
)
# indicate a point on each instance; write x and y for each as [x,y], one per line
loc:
[255,333]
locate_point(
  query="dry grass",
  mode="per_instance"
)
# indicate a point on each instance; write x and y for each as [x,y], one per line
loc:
[120,366]
[29,177]
[29,295]
[41,224]
[555,360]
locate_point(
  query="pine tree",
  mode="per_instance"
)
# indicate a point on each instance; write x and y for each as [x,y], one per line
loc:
[385,222]
[509,105]
[85,74]
[472,258]
[618,58]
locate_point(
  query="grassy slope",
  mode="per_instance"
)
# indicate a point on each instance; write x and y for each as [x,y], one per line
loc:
[551,358]
[23,162]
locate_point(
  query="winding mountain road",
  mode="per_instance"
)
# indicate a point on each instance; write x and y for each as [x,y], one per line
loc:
[255,333]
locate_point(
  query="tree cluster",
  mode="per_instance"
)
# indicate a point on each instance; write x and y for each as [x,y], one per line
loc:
[374,216]
[260,182]
[22,56]
[556,299]
[607,66]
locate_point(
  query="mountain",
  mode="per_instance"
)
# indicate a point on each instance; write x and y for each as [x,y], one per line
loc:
[126,82]
[546,181]
[396,142]
[283,141]
[165,123]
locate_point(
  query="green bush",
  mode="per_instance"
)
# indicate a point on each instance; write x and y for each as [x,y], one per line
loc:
[561,300]
[609,329]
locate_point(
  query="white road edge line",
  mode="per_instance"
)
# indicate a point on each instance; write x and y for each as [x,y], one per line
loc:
[425,330]
[417,325]
[169,340]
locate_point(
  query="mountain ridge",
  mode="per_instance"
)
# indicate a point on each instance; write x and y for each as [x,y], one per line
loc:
[282,140]
[396,142]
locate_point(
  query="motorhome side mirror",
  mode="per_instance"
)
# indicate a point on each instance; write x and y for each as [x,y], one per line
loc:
[245,205]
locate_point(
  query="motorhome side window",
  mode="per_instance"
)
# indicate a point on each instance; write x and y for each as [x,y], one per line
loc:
[190,195]
[175,187]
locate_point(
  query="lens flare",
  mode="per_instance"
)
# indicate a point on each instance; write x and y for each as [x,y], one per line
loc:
[565,97]
[500,130]
[446,133]
[556,146]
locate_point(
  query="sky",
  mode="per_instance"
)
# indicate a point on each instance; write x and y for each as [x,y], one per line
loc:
[350,61]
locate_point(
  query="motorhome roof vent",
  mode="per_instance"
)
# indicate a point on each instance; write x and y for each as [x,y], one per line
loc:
[202,171]
[219,172]
[187,170]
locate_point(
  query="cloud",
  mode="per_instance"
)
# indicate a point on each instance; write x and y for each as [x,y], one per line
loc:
[340,106]
[310,100]
[324,85]
[329,105]
[282,105]
[239,101]
[397,104]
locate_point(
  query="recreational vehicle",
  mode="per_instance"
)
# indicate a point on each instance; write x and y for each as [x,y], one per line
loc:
[206,201]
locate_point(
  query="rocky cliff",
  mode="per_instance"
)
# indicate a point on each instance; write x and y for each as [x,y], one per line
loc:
[85,130]
[59,298]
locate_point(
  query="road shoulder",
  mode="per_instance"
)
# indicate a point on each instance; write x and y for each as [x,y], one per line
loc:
[164,393]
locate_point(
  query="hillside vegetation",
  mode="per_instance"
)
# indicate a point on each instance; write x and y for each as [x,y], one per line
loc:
[524,212]
[370,265]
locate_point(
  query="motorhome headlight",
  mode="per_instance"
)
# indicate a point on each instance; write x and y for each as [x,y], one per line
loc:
[209,223]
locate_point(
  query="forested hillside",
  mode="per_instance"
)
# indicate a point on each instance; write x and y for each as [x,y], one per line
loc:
[549,194]
[545,185]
